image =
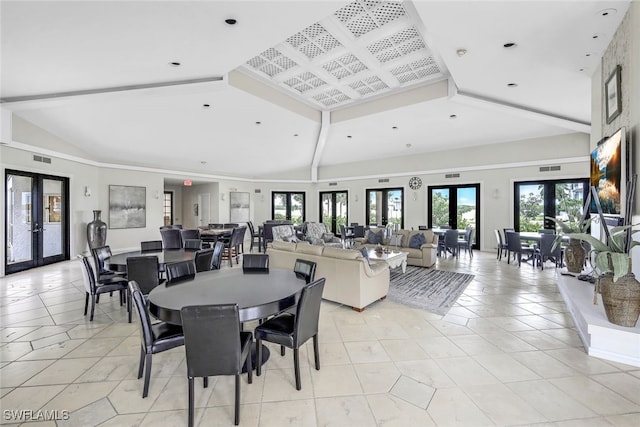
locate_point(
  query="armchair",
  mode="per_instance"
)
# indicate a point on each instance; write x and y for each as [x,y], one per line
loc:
[317,233]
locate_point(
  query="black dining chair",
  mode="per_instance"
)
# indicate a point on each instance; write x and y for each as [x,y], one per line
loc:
[358,231]
[204,259]
[192,244]
[144,270]
[100,255]
[154,337]
[191,233]
[348,237]
[232,249]
[216,260]
[293,330]
[215,345]
[180,271]
[305,270]
[171,239]
[451,242]
[500,244]
[255,263]
[515,247]
[151,246]
[254,236]
[546,251]
[466,242]
[94,288]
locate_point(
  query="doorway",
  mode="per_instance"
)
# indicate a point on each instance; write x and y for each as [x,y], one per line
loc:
[455,206]
[385,206]
[334,209]
[36,220]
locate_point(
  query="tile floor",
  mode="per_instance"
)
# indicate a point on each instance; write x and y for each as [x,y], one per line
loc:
[507,354]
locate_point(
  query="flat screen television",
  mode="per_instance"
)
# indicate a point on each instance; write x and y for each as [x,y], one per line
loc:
[608,174]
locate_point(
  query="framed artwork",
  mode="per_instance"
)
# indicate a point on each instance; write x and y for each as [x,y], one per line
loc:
[127,206]
[239,205]
[613,100]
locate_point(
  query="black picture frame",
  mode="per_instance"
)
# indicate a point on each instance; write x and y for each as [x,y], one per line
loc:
[612,95]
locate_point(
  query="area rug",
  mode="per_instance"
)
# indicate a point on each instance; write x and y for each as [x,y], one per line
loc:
[427,288]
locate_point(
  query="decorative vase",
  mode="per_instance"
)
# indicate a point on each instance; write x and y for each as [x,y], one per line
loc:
[621,299]
[574,256]
[96,231]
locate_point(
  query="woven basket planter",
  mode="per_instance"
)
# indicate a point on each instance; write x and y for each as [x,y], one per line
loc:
[621,299]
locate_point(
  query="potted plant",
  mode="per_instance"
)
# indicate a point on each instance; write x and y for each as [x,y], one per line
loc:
[574,254]
[619,288]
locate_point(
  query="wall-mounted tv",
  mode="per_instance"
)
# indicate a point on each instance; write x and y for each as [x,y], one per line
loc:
[609,170]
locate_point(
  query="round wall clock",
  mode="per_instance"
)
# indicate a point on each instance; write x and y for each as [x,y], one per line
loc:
[415,183]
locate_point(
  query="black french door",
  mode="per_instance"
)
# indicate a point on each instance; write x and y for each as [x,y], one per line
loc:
[455,206]
[385,206]
[334,209]
[36,220]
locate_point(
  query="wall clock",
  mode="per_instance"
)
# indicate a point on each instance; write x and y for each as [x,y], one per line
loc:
[415,183]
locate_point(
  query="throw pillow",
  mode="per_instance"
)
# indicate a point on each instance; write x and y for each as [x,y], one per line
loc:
[365,254]
[417,240]
[327,237]
[375,238]
[292,239]
[396,240]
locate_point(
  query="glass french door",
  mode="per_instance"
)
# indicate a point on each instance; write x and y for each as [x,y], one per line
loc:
[288,205]
[334,209]
[36,220]
[455,206]
[385,206]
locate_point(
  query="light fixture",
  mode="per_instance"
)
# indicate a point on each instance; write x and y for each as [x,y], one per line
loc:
[187,183]
[509,45]
[461,52]
[394,127]
[87,191]
[175,63]
[512,84]
[453,116]
[206,105]
[230,21]
[408,145]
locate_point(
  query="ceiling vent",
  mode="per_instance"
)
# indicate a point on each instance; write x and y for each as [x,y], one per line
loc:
[41,159]
[257,191]
[549,168]
[383,180]
[452,175]
[333,184]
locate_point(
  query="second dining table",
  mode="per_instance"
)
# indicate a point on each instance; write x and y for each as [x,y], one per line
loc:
[118,262]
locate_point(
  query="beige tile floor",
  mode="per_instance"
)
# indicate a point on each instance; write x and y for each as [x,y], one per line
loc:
[507,354]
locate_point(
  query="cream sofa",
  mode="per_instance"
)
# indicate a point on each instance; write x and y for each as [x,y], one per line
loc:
[350,280]
[425,256]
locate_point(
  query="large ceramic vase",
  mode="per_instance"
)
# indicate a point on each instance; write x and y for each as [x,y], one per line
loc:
[574,256]
[96,231]
[621,299]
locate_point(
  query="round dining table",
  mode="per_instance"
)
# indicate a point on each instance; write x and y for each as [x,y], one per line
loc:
[118,262]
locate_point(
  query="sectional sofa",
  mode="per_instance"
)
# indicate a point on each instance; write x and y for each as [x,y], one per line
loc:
[422,255]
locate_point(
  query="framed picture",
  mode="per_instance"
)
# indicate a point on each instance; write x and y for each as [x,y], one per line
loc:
[239,205]
[613,100]
[127,206]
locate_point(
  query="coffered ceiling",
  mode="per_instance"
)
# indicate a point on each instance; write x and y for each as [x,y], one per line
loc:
[172,85]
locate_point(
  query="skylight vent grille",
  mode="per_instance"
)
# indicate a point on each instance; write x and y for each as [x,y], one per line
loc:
[369,85]
[271,62]
[313,41]
[304,82]
[331,97]
[398,45]
[364,16]
[417,70]
[344,66]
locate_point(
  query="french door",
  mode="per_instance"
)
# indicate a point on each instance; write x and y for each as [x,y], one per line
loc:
[36,220]
[334,209]
[385,206]
[455,206]
[288,205]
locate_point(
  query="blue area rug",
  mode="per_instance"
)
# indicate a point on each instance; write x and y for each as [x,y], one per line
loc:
[427,288]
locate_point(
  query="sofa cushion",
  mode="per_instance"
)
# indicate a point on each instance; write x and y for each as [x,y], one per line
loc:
[417,240]
[396,240]
[375,238]
[341,253]
[283,246]
[310,249]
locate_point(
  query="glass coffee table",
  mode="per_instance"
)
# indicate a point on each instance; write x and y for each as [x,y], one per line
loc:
[394,259]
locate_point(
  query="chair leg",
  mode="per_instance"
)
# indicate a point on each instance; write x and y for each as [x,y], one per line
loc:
[205,382]
[93,306]
[296,367]
[237,405]
[147,375]
[141,364]
[86,302]
[282,350]
[258,356]
[191,399]
[129,305]
[250,367]
[316,352]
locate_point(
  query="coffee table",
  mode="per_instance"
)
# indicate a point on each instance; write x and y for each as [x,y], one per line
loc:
[394,259]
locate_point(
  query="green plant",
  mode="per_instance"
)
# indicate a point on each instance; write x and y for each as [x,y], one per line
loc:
[567,227]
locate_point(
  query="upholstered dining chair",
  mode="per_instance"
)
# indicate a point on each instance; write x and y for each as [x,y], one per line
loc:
[192,244]
[254,236]
[216,260]
[215,345]
[171,239]
[154,338]
[466,242]
[151,246]
[100,254]
[204,259]
[451,242]
[94,288]
[180,271]
[514,245]
[144,270]
[305,270]
[255,263]
[232,249]
[293,330]
[191,233]
[500,244]
[546,252]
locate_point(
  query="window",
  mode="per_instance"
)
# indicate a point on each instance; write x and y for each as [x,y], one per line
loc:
[168,208]
[560,199]
[288,205]
[385,206]
[455,206]
[333,209]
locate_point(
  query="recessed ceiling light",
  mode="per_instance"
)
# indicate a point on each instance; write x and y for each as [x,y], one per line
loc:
[607,12]
[408,145]
[295,134]
[204,162]
[349,136]
[512,84]
[206,105]
[230,21]
[461,52]
[258,123]
[453,116]
[587,54]
[175,64]
[509,45]
[394,127]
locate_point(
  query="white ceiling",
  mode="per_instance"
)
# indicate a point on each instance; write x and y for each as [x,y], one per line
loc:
[54,50]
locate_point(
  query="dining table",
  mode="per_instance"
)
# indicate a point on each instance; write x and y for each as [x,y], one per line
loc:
[118,262]
[258,295]
[212,235]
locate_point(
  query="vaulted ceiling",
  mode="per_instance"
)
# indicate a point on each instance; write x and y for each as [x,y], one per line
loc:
[297,85]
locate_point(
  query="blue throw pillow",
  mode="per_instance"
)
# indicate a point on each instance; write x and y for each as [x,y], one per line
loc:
[365,254]
[375,238]
[417,240]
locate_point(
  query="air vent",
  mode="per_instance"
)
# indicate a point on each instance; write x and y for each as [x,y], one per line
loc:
[41,159]
[549,168]
[383,180]
[257,191]
[452,175]
[554,168]
[333,184]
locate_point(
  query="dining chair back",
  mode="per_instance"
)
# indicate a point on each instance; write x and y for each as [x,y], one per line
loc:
[348,239]
[151,246]
[204,259]
[100,254]
[254,235]
[154,338]
[547,252]
[514,245]
[255,263]
[192,244]
[144,271]
[466,242]
[191,233]
[180,271]
[216,260]
[451,242]
[305,270]
[94,288]
[215,345]
[500,243]
[171,239]
[358,231]
[232,249]
[293,330]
